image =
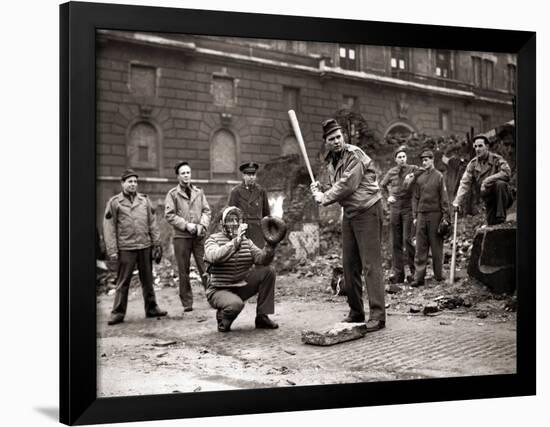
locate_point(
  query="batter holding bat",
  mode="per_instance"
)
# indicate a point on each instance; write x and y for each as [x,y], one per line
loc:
[354,186]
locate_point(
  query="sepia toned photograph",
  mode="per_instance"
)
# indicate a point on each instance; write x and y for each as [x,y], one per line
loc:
[282,213]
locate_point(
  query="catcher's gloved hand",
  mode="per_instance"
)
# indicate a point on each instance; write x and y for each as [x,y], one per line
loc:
[157,253]
[273,229]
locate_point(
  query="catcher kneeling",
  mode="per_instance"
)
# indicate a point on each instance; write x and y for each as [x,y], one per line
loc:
[238,269]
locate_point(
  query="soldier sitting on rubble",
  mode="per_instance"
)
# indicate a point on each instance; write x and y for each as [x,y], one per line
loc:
[489,173]
[238,270]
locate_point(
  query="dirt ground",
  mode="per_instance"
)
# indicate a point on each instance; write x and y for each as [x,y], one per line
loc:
[185,353]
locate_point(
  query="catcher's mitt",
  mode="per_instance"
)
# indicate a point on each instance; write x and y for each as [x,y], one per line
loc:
[273,229]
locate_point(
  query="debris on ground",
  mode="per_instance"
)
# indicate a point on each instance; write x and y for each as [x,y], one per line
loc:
[163,343]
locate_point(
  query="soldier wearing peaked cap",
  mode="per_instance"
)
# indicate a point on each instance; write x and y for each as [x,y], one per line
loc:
[187,211]
[251,198]
[131,235]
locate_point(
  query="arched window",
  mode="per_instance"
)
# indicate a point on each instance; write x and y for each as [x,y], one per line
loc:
[400,130]
[223,155]
[142,148]
[290,146]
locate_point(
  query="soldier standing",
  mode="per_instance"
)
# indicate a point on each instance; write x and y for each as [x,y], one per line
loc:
[430,208]
[355,188]
[397,186]
[130,230]
[187,210]
[251,199]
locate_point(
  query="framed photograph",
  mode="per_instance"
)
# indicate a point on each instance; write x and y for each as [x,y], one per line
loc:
[358,198]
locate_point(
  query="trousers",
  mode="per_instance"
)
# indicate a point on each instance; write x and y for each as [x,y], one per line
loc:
[260,280]
[126,264]
[401,222]
[362,253]
[427,238]
[182,250]
[497,199]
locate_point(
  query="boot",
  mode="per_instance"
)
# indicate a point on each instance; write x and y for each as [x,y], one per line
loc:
[264,322]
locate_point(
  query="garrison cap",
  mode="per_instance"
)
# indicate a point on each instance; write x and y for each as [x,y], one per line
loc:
[427,153]
[329,126]
[127,174]
[400,149]
[180,164]
[250,167]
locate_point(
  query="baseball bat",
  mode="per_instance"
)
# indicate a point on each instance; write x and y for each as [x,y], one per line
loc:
[453,257]
[298,133]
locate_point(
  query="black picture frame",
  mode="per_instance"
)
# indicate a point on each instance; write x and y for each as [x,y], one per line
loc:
[78,364]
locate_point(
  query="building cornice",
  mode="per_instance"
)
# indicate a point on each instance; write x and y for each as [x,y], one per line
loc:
[323,71]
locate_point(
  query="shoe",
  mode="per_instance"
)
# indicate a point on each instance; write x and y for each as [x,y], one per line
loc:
[410,278]
[116,318]
[441,279]
[417,283]
[264,322]
[187,309]
[156,312]
[400,278]
[224,325]
[375,325]
[353,319]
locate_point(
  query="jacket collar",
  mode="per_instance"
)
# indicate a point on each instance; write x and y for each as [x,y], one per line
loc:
[121,198]
[331,156]
[193,189]
[487,165]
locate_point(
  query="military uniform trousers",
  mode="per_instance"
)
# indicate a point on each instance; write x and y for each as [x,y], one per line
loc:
[402,232]
[427,238]
[497,199]
[126,264]
[183,247]
[361,247]
[230,300]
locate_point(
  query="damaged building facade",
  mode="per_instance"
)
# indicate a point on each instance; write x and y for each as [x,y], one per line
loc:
[219,101]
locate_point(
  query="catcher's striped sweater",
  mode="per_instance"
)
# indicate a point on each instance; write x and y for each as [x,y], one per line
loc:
[230,263]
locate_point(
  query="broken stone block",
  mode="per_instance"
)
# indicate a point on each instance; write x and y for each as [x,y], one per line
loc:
[493,257]
[338,333]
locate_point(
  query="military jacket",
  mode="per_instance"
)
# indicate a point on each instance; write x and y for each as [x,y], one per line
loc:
[179,209]
[353,181]
[494,168]
[255,205]
[129,225]
[393,183]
